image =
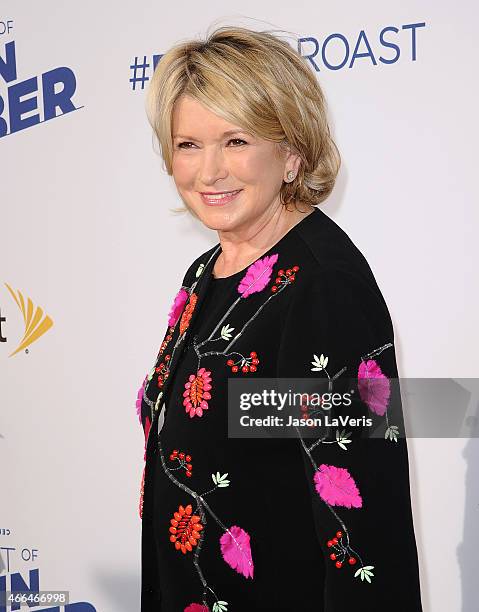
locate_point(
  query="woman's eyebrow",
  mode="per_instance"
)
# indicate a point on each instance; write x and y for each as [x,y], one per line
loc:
[227,133]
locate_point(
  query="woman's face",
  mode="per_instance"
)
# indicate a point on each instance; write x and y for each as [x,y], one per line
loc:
[206,160]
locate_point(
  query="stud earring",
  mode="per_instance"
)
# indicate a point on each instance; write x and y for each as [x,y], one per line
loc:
[290,176]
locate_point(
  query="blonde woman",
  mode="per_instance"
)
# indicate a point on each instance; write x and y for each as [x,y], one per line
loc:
[267,522]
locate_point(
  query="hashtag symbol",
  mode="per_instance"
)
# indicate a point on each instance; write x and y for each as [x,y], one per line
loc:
[139,73]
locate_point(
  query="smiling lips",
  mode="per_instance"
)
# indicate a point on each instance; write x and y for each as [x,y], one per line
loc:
[216,199]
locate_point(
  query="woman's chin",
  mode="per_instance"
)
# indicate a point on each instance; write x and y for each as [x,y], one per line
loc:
[218,219]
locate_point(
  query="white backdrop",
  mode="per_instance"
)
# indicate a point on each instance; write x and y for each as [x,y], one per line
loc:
[85,209]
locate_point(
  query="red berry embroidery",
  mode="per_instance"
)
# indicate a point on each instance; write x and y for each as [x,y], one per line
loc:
[246,364]
[341,551]
[185,529]
[184,461]
[163,370]
[284,278]
[305,409]
[164,344]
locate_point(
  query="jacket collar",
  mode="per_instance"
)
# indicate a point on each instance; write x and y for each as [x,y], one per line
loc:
[197,293]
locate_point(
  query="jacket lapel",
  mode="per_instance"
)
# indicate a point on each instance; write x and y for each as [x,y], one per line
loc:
[197,293]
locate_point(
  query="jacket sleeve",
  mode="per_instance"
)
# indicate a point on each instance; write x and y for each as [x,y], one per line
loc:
[338,328]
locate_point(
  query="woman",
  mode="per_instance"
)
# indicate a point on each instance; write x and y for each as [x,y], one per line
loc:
[271,523]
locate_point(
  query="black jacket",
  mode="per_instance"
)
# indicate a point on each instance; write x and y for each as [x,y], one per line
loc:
[320,524]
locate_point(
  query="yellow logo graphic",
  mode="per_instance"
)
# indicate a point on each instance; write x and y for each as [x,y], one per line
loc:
[35,323]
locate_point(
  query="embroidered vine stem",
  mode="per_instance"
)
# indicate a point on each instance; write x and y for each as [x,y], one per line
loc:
[315,467]
[220,322]
[238,335]
[308,450]
[377,351]
[227,313]
[199,500]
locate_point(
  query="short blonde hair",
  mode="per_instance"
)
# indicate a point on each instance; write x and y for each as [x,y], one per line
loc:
[259,82]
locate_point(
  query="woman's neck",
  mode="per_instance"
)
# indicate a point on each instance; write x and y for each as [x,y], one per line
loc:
[240,250]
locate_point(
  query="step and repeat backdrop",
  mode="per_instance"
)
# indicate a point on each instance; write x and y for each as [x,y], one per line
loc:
[86,210]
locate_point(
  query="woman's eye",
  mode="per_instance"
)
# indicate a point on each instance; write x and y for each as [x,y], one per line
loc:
[238,140]
[182,145]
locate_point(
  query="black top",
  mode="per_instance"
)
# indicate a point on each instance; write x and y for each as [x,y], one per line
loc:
[273,523]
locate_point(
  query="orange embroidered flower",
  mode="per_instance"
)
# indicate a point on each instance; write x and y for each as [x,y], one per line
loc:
[185,529]
[187,313]
[197,391]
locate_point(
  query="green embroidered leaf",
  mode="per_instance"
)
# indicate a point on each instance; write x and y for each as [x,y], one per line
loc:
[158,400]
[200,270]
[220,606]
[319,363]
[392,433]
[365,573]
[220,481]
[226,332]
[342,439]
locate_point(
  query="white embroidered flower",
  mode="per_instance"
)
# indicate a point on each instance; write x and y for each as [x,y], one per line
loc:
[226,332]
[220,481]
[319,363]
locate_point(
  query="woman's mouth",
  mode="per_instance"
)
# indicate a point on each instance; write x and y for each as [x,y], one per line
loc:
[218,199]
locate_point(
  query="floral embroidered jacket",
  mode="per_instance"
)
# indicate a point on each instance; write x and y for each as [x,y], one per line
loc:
[304,523]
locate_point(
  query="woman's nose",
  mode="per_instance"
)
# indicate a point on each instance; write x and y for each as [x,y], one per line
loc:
[213,165]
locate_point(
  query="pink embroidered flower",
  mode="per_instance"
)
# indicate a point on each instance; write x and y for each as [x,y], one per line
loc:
[147,431]
[336,487]
[257,276]
[236,551]
[197,391]
[177,307]
[139,398]
[374,387]
[194,607]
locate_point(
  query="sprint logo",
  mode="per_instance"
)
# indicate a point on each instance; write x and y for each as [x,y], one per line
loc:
[36,322]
